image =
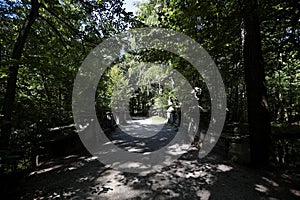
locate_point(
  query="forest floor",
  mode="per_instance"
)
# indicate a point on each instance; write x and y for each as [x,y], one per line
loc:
[81,176]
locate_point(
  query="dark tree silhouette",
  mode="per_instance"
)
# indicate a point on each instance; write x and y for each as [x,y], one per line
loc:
[13,73]
[258,114]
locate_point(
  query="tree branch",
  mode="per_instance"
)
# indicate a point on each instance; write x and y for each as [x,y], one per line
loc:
[63,42]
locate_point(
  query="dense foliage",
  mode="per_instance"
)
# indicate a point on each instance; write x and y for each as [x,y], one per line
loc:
[60,36]
[43,44]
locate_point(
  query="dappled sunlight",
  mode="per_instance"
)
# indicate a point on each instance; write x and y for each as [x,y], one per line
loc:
[132,165]
[261,188]
[295,192]
[142,136]
[278,186]
[64,164]
[90,158]
[169,182]
[142,128]
[224,168]
[46,170]
[203,194]
[270,182]
[186,178]
[189,177]
[113,185]
[134,150]
[98,103]
[177,149]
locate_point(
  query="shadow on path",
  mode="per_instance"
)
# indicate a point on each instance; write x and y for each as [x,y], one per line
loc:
[84,177]
[142,135]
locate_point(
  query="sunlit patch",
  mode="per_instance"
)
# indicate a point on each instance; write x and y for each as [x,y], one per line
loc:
[203,194]
[54,196]
[118,141]
[209,180]
[45,170]
[111,186]
[133,165]
[134,149]
[108,143]
[83,179]
[177,149]
[196,174]
[68,194]
[261,188]
[295,192]
[271,182]
[163,138]
[224,168]
[70,168]
[142,128]
[70,156]
[171,193]
[212,140]
[83,127]
[91,158]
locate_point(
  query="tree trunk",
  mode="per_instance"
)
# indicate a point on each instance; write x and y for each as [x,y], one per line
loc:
[258,114]
[236,109]
[13,73]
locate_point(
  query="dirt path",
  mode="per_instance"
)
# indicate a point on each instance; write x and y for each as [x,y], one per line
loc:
[84,177]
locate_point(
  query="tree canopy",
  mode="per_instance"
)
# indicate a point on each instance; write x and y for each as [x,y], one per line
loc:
[255,45]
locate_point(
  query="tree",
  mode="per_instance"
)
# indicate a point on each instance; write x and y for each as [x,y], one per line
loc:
[9,99]
[44,46]
[258,108]
[280,42]
[216,25]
